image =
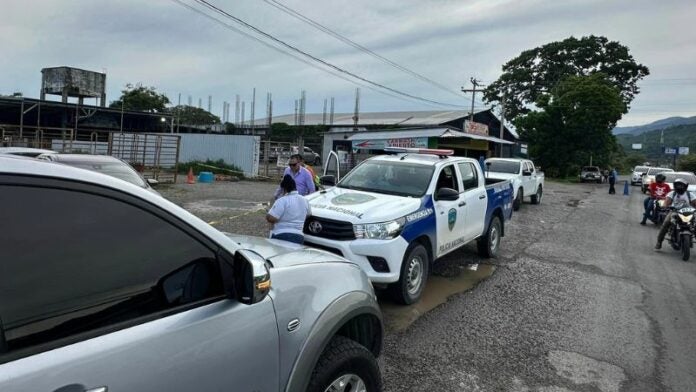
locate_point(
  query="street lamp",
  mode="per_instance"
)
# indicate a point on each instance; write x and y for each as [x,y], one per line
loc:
[171,127]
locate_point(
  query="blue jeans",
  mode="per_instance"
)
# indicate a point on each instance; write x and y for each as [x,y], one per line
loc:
[290,237]
[649,205]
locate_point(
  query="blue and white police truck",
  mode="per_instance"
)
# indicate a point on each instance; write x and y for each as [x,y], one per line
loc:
[395,214]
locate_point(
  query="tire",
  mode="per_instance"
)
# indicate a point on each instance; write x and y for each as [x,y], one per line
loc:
[685,246]
[518,200]
[489,244]
[413,276]
[536,199]
[345,358]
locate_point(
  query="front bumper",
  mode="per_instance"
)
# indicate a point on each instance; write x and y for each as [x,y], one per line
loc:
[357,251]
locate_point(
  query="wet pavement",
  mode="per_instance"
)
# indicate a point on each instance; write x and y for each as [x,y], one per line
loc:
[577,300]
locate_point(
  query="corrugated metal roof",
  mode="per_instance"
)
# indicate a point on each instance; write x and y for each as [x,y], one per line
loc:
[428,132]
[432,117]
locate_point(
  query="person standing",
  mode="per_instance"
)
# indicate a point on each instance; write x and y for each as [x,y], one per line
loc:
[302,177]
[612,181]
[288,213]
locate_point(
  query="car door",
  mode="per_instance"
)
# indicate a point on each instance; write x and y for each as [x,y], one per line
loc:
[530,180]
[331,167]
[476,200]
[449,214]
[102,291]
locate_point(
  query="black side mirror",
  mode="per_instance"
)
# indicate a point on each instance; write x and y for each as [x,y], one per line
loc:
[328,180]
[526,173]
[252,277]
[448,194]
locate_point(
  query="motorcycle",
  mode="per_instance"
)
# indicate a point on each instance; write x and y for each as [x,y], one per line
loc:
[659,213]
[682,231]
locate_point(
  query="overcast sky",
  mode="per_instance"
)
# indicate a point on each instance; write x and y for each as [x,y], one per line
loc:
[160,43]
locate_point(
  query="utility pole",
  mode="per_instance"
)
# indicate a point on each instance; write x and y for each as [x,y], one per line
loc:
[331,116]
[502,122]
[253,109]
[356,111]
[473,92]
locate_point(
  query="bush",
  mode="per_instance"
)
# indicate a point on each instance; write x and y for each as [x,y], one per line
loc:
[215,167]
[687,163]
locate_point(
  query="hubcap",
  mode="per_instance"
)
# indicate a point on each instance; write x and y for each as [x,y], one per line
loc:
[494,238]
[347,383]
[415,275]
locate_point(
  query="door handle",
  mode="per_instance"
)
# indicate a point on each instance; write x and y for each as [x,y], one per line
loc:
[462,204]
[482,197]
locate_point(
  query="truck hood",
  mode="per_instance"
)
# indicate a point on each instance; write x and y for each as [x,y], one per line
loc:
[282,253]
[361,207]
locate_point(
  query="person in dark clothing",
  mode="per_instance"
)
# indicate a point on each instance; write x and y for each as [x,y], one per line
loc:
[612,181]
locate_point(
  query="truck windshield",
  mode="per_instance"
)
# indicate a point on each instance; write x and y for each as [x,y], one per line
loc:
[503,166]
[391,178]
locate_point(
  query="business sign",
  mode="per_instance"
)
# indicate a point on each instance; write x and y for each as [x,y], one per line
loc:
[683,150]
[407,142]
[523,149]
[475,128]
[670,151]
[637,146]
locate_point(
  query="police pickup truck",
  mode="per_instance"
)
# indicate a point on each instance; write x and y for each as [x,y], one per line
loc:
[394,214]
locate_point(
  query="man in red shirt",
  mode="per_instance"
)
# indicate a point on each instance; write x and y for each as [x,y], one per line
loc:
[658,191]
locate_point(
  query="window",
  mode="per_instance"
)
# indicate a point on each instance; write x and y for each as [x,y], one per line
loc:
[448,178]
[74,262]
[469,175]
[528,167]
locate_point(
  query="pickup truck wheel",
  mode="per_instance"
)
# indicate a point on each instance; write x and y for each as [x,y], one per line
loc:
[346,366]
[536,199]
[414,273]
[518,200]
[489,244]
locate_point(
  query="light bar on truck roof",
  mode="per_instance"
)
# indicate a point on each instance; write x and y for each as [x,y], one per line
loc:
[432,151]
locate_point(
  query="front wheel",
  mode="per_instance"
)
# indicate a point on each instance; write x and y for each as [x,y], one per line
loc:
[686,246]
[346,366]
[489,244]
[414,273]
[536,198]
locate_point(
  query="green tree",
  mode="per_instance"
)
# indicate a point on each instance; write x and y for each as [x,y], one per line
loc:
[573,124]
[140,98]
[687,163]
[190,115]
[533,74]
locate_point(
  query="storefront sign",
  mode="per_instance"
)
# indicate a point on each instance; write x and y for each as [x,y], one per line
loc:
[408,142]
[475,128]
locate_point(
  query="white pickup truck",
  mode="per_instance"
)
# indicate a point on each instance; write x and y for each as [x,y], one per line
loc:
[394,214]
[526,180]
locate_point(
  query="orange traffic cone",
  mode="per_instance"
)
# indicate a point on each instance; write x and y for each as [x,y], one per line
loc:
[190,179]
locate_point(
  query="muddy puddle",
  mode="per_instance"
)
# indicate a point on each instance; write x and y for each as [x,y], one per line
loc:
[400,317]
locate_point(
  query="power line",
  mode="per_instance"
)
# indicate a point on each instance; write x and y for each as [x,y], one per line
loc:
[298,58]
[356,45]
[314,58]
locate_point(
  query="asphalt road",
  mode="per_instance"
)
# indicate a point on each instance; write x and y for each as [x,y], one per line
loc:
[579,301]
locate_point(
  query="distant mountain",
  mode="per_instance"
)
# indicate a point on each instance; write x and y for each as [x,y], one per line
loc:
[674,136]
[659,124]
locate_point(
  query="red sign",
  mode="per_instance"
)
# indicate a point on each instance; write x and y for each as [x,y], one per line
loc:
[475,128]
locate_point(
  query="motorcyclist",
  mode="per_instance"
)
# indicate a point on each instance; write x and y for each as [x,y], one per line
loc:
[679,196]
[658,191]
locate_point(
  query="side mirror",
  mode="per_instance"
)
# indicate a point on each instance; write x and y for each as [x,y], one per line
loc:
[252,277]
[152,181]
[328,180]
[448,194]
[526,173]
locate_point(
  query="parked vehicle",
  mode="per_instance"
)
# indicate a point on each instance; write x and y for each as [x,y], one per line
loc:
[103,164]
[107,286]
[526,180]
[395,214]
[309,155]
[591,174]
[681,233]
[25,151]
[649,177]
[637,175]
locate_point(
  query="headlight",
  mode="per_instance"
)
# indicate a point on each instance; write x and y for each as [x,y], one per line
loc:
[379,231]
[686,218]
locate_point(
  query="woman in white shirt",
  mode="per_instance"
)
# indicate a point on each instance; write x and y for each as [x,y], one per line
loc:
[288,213]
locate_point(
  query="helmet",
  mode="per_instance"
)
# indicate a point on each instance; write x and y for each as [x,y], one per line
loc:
[680,185]
[660,177]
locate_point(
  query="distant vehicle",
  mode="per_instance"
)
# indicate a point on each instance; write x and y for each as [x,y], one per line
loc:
[649,176]
[115,289]
[25,151]
[689,177]
[103,164]
[309,155]
[637,176]
[526,180]
[591,174]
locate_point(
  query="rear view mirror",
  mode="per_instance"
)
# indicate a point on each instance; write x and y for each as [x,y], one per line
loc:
[251,276]
[448,194]
[328,180]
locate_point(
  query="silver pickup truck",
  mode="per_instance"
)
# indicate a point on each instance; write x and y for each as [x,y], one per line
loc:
[108,287]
